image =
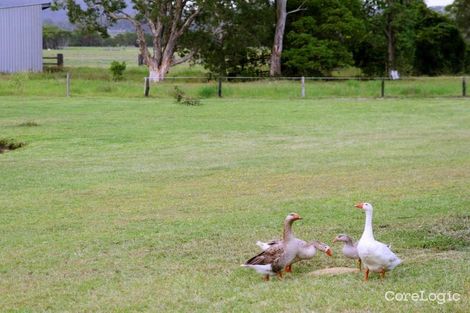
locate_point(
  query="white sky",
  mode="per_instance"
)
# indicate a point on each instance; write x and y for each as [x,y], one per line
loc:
[438,2]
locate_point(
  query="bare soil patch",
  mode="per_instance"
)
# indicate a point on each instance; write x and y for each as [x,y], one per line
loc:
[10,144]
[334,271]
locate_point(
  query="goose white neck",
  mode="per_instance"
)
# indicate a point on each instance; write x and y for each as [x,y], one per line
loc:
[368,233]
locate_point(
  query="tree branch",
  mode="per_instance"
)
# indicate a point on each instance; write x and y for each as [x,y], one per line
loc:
[187,57]
[300,8]
[188,22]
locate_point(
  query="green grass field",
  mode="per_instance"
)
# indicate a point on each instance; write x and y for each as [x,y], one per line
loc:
[131,204]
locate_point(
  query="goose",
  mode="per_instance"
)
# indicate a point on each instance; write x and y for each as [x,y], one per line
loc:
[349,248]
[272,261]
[306,250]
[375,256]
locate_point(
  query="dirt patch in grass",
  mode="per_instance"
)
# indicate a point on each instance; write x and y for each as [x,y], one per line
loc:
[28,124]
[10,144]
[334,271]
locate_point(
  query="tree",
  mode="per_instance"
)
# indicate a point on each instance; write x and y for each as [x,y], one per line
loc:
[324,36]
[233,39]
[392,25]
[54,37]
[396,20]
[276,51]
[440,48]
[166,20]
[460,12]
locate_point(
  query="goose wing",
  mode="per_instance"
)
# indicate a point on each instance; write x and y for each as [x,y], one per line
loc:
[268,256]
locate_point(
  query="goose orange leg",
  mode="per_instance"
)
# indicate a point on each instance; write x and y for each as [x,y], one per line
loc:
[288,268]
[279,274]
[359,264]
[266,278]
[366,275]
[382,274]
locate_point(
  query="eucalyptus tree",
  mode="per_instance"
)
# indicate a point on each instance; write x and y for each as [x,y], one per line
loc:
[166,20]
[460,11]
[396,20]
[234,38]
[323,36]
[278,41]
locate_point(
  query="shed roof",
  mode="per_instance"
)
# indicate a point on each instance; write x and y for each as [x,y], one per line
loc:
[4,4]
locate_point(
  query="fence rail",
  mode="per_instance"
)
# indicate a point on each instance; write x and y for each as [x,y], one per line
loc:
[303,79]
[59,60]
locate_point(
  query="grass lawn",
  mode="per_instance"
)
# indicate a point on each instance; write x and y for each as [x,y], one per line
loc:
[129,205]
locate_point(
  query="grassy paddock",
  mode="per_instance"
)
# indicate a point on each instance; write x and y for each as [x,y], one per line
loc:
[96,56]
[144,205]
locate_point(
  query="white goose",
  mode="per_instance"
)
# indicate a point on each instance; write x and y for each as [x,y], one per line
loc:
[375,256]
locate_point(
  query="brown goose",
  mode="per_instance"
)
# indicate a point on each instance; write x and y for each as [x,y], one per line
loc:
[273,260]
[349,248]
[306,250]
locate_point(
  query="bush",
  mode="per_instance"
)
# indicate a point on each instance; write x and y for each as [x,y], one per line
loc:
[117,69]
[182,98]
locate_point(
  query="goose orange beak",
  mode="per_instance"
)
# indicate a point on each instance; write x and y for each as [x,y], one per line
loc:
[297,217]
[329,252]
[359,205]
[335,240]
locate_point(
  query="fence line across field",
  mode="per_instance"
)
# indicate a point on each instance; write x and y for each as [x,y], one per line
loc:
[302,80]
[231,86]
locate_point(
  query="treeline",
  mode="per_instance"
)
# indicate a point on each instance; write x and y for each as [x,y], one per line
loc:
[56,38]
[320,36]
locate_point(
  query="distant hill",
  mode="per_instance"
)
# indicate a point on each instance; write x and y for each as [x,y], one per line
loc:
[440,9]
[61,19]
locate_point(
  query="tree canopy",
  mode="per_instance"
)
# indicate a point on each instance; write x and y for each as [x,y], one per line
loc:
[236,37]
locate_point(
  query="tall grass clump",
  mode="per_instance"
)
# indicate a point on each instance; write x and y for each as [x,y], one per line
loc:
[18,82]
[207,92]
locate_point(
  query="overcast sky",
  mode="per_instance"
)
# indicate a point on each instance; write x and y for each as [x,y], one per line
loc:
[438,2]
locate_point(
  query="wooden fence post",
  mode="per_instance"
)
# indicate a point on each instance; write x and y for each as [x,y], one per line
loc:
[382,89]
[146,86]
[302,82]
[60,60]
[67,84]
[464,87]
[219,90]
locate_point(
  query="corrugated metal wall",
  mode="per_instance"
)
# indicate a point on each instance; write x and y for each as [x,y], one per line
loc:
[21,39]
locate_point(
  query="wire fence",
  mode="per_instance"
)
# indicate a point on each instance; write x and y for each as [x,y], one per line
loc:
[76,85]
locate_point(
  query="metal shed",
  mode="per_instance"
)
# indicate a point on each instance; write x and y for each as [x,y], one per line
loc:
[21,35]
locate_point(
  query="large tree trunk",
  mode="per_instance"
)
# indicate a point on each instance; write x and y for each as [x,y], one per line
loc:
[390,33]
[159,64]
[281,14]
[158,73]
[391,64]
